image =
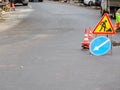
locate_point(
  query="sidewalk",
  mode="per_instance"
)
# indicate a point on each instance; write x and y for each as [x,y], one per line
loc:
[10,19]
[7,20]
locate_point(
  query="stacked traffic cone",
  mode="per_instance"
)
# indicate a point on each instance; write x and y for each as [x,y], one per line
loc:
[85,43]
[90,35]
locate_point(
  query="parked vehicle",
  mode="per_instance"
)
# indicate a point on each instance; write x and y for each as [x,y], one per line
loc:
[98,2]
[110,7]
[35,0]
[81,1]
[24,2]
[89,2]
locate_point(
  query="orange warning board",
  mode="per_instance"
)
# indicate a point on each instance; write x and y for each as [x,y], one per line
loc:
[104,26]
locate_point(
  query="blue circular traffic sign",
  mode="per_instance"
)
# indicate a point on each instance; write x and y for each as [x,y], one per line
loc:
[100,45]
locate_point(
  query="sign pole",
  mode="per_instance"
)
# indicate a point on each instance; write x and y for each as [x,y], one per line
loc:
[111,43]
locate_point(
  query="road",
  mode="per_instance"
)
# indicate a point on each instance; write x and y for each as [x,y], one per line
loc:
[41,50]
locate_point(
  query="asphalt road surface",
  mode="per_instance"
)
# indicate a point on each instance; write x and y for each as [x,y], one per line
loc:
[40,49]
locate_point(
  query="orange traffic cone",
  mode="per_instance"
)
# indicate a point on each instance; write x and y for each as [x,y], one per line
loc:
[85,43]
[90,36]
[12,7]
[116,26]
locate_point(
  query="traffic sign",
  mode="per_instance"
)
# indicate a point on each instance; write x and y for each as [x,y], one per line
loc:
[100,45]
[104,26]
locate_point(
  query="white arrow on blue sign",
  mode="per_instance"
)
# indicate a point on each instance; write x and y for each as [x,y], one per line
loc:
[100,45]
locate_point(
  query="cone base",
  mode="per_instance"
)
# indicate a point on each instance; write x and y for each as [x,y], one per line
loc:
[85,45]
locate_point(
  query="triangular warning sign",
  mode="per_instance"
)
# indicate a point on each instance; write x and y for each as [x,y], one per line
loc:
[104,26]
